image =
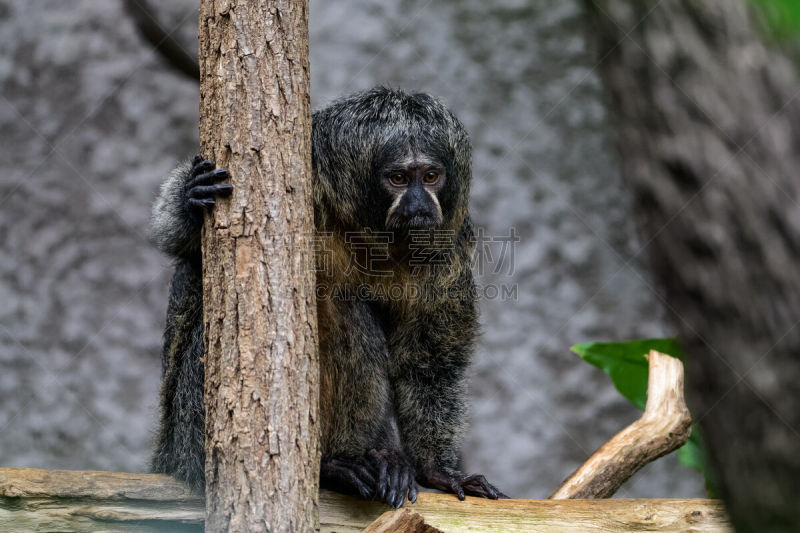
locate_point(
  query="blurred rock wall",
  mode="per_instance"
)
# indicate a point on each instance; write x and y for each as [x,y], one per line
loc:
[92,118]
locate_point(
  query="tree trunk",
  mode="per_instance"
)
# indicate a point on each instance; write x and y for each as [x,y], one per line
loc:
[261,367]
[709,134]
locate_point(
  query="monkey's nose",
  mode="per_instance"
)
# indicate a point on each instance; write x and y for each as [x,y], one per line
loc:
[411,211]
[417,203]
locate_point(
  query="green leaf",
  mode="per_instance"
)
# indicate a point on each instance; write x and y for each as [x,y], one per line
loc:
[625,363]
[782,17]
[694,455]
[780,24]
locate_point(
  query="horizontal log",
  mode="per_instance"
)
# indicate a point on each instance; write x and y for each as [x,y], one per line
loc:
[88,501]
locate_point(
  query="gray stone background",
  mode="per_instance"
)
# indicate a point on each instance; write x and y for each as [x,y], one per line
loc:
[91,119]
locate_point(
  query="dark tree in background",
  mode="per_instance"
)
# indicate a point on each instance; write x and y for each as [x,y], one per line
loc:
[709,132]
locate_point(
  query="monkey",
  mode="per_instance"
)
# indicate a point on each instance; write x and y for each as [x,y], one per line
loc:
[391,172]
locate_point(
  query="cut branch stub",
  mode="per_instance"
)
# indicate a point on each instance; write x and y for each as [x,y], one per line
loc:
[401,521]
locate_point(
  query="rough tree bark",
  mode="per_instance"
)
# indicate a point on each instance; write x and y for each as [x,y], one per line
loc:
[709,135]
[261,367]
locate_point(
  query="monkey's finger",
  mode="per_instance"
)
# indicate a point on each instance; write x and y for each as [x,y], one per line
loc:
[210,191]
[381,483]
[483,491]
[477,485]
[364,473]
[412,491]
[361,470]
[202,166]
[340,475]
[209,178]
[494,494]
[380,465]
[205,203]
[396,495]
[392,486]
[476,480]
[197,159]
[408,484]
[457,489]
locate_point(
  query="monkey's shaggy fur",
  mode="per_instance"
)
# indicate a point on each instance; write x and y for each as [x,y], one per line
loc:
[392,368]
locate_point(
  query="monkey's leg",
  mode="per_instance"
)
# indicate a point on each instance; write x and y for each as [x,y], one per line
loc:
[430,356]
[361,452]
[431,411]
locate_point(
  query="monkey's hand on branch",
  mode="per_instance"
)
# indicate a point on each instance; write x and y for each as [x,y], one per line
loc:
[381,475]
[202,186]
[394,477]
[461,485]
[178,211]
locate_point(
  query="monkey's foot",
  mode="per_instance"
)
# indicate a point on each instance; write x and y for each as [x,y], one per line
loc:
[395,477]
[348,475]
[461,485]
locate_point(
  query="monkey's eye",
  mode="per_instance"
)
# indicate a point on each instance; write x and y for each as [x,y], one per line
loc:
[430,177]
[398,178]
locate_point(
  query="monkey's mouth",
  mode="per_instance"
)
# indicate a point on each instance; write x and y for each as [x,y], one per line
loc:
[424,222]
[418,221]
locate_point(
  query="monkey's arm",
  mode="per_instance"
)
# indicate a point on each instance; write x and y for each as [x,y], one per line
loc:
[433,352]
[176,224]
[179,441]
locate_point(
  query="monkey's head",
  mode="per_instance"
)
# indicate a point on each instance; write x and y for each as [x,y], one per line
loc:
[389,160]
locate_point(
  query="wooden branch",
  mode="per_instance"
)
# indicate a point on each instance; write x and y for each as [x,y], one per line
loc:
[664,427]
[42,500]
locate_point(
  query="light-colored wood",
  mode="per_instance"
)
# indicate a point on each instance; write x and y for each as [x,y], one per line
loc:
[401,521]
[340,514]
[109,501]
[92,484]
[665,426]
[33,500]
[260,325]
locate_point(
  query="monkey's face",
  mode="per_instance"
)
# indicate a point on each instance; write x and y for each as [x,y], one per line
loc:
[413,184]
[386,160]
